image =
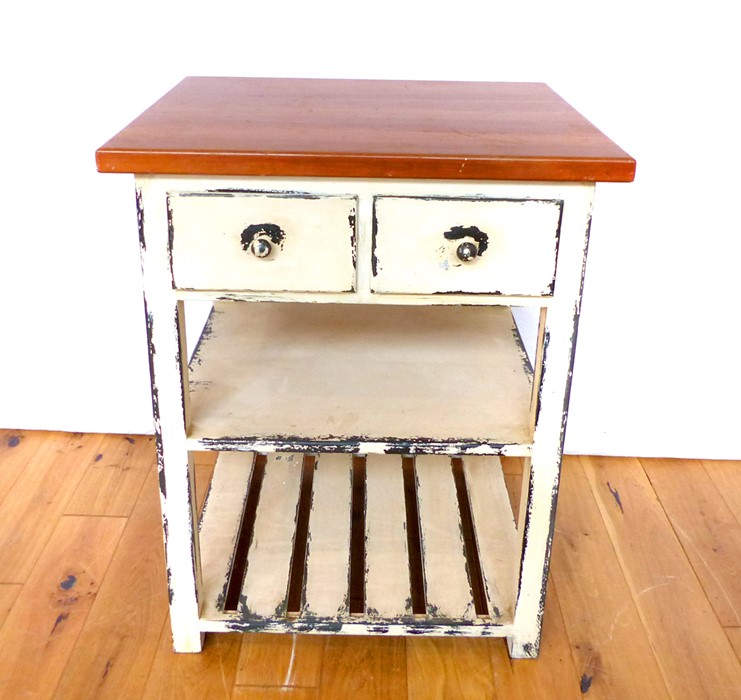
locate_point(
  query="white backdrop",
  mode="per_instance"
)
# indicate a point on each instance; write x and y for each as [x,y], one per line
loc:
[662,288]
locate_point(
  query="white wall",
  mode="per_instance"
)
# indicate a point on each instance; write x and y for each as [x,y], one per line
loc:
[659,78]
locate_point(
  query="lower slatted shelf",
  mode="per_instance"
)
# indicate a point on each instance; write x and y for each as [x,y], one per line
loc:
[336,543]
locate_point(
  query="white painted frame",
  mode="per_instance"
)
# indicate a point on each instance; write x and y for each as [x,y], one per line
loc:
[164,308]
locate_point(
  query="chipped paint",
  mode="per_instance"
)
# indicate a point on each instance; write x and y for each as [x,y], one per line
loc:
[457,233]
[361,445]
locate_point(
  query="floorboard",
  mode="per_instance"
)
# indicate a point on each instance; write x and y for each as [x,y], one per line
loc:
[611,650]
[281,660]
[112,481]
[443,668]
[48,616]
[116,649]
[553,676]
[642,602]
[363,669]
[17,447]
[34,503]
[707,529]
[692,650]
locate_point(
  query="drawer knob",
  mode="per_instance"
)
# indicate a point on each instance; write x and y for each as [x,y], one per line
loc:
[261,239]
[261,248]
[467,251]
[472,242]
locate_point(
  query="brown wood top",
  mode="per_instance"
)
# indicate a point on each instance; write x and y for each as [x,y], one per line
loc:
[365,128]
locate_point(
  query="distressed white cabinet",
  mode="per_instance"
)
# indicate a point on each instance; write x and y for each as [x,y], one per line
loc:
[367,247]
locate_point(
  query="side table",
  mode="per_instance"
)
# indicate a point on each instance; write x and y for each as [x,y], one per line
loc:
[369,248]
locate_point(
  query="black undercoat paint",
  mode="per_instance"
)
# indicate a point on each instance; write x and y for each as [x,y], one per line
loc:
[456,233]
[271,231]
[352,444]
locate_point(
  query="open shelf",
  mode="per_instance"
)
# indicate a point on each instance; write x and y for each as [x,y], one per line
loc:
[379,545]
[362,379]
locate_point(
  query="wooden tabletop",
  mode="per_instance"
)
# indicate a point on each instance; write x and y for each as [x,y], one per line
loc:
[365,128]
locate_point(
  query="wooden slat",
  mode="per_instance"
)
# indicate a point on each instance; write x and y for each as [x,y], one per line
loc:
[496,536]
[328,556]
[610,647]
[387,592]
[284,660]
[447,588]
[681,626]
[49,614]
[707,529]
[363,128]
[112,481]
[114,653]
[265,588]
[442,668]
[220,524]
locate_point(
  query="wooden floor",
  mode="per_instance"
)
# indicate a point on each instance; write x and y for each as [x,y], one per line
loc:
[644,599]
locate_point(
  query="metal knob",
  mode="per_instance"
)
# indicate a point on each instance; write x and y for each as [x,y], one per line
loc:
[261,248]
[467,251]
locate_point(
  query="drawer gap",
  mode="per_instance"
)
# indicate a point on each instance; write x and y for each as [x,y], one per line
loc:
[414,547]
[357,538]
[470,546]
[298,560]
[246,532]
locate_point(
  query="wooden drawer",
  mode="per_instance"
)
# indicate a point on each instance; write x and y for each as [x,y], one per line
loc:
[262,241]
[418,244]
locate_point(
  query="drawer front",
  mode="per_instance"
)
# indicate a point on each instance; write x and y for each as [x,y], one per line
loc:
[447,245]
[262,241]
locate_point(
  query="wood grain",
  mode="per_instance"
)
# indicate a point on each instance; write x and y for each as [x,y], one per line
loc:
[8,594]
[726,476]
[208,675]
[369,668]
[114,654]
[611,651]
[45,623]
[280,660]
[734,636]
[247,693]
[113,479]
[17,447]
[707,529]
[438,669]
[365,128]
[552,676]
[35,502]
[680,623]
